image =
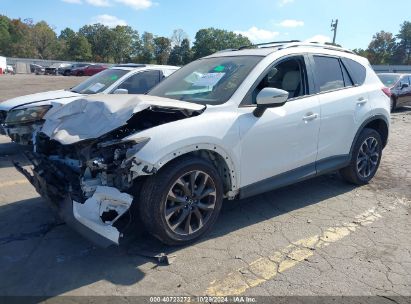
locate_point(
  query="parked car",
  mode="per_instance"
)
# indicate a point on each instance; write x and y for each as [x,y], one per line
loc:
[37,69]
[22,116]
[10,70]
[40,71]
[89,70]
[230,125]
[66,70]
[400,87]
[53,69]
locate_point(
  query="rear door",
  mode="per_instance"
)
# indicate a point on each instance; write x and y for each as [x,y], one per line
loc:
[343,102]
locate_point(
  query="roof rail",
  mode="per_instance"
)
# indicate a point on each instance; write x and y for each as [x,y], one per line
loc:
[319,45]
[296,43]
[130,65]
[226,50]
[267,44]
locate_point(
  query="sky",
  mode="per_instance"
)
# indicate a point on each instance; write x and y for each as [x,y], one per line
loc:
[260,20]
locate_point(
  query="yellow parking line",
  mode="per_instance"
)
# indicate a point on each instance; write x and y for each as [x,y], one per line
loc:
[13,183]
[266,268]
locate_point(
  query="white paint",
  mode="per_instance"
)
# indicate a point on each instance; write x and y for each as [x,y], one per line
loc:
[105,198]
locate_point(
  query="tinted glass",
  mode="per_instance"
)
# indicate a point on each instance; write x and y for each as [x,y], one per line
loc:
[207,81]
[141,83]
[389,80]
[99,82]
[328,73]
[347,79]
[356,70]
[288,75]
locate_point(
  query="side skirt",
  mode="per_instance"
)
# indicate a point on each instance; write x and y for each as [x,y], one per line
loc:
[296,175]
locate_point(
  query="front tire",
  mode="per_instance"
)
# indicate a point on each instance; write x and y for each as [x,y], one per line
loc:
[365,159]
[182,201]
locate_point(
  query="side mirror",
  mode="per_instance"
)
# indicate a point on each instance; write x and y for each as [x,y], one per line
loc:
[269,98]
[404,85]
[120,91]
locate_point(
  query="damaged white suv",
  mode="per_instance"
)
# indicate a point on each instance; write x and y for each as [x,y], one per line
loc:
[231,125]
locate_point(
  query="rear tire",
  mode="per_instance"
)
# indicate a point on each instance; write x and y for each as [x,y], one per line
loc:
[365,159]
[182,201]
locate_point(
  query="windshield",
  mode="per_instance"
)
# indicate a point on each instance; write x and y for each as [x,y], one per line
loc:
[99,82]
[389,80]
[207,81]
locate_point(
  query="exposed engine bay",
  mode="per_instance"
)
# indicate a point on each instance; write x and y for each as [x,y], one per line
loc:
[96,173]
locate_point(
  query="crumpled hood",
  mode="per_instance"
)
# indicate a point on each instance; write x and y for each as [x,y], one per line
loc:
[38,97]
[92,117]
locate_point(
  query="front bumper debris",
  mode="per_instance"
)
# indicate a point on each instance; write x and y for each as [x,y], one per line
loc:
[94,218]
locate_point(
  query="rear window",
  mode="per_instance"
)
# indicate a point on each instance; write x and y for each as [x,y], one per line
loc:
[356,70]
[328,73]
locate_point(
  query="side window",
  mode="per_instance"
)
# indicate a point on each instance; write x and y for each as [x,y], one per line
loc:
[328,73]
[288,75]
[141,83]
[356,70]
[347,79]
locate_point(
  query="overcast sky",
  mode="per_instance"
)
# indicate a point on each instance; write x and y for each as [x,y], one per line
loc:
[260,20]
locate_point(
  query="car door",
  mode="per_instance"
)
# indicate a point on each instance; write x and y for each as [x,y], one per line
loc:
[401,95]
[343,107]
[280,147]
[404,92]
[142,82]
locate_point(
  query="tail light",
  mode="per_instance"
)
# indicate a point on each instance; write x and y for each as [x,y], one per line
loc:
[387,91]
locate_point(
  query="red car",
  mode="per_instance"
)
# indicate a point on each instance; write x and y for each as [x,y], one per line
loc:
[89,70]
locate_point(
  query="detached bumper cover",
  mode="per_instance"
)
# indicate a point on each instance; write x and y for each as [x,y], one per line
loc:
[82,217]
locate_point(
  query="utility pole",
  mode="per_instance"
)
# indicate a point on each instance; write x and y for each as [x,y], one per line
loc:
[334,26]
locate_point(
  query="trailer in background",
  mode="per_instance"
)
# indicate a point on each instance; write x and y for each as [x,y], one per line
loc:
[3,65]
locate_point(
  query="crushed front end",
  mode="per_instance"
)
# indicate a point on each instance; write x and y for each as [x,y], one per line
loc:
[87,183]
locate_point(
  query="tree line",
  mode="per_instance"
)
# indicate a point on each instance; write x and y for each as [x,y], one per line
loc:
[100,43]
[387,48]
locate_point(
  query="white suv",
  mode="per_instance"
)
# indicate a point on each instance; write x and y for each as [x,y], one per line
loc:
[22,117]
[230,125]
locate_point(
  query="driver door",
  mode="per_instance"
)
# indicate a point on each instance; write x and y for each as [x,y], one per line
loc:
[280,147]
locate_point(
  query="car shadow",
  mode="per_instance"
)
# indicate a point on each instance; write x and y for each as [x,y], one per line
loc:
[10,151]
[402,109]
[40,256]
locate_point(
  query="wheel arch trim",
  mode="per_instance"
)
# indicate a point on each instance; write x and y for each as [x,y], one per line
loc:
[233,176]
[366,122]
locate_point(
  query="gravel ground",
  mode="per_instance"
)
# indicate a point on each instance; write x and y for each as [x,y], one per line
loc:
[320,237]
[23,84]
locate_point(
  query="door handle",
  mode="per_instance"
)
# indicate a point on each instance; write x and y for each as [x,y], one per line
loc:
[310,116]
[361,101]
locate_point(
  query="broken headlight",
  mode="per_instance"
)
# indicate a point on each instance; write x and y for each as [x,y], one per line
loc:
[27,115]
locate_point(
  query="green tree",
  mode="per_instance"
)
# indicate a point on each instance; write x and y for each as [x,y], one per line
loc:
[5,38]
[361,52]
[21,44]
[146,54]
[79,49]
[186,52]
[126,43]
[402,52]
[175,56]
[162,49]
[211,40]
[101,39]
[381,48]
[44,40]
